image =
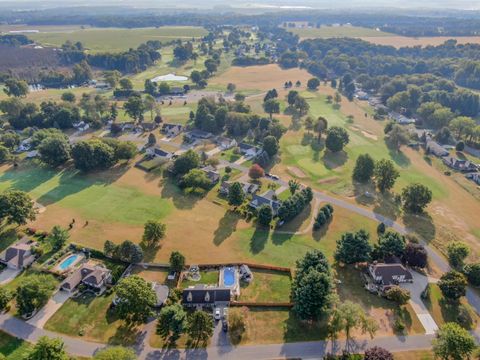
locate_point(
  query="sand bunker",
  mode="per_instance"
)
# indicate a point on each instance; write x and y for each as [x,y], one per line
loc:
[170,77]
[296,172]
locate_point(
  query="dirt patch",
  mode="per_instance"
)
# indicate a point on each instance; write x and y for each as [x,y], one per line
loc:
[296,172]
[329,180]
[365,133]
[402,41]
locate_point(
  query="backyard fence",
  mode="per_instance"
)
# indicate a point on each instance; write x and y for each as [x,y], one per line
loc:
[250,265]
[262,304]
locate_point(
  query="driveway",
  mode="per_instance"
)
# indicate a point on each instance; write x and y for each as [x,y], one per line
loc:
[55,303]
[416,288]
[8,275]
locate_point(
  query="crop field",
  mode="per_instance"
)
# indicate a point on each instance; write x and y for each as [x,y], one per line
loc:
[337,31]
[115,39]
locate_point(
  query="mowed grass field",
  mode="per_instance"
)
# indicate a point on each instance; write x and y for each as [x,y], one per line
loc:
[337,31]
[115,39]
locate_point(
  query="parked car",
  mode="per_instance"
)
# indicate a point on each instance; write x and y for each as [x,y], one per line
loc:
[224,325]
[217,314]
[225,313]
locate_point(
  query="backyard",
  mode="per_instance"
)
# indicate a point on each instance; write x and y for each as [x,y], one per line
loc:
[267,286]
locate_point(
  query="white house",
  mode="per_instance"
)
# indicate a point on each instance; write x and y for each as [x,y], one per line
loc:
[249,150]
[157,152]
[226,143]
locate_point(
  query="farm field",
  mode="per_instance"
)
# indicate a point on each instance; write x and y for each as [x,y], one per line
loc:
[337,31]
[115,39]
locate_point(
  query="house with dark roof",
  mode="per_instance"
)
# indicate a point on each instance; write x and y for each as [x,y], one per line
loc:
[19,255]
[95,276]
[459,165]
[197,134]
[435,148]
[249,150]
[147,126]
[206,296]
[212,174]
[268,198]
[475,177]
[172,130]
[158,152]
[384,276]
[248,188]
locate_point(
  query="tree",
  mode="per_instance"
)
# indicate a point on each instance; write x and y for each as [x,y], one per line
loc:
[54,151]
[270,145]
[196,178]
[115,353]
[472,272]
[416,197]
[16,88]
[150,87]
[93,154]
[256,172]
[129,252]
[385,175]
[390,244]
[4,154]
[153,232]
[58,237]
[177,261]
[48,349]
[68,96]
[415,255]
[236,196]
[16,207]
[271,106]
[126,84]
[460,146]
[265,215]
[150,104]
[337,138]
[200,326]
[453,342]
[398,294]
[231,88]
[134,107]
[453,285]
[398,136]
[353,248]
[311,286]
[164,88]
[34,292]
[457,252]
[364,167]
[186,162]
[348,316]
[313,84]
[112,78]
[293,186]
[125,150]
[381,228]
[172,322]
[377,353]
[292,97]
[135,298]
[5,297]
[320,126]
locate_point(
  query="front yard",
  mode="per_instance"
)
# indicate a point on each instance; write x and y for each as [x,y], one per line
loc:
[91,318]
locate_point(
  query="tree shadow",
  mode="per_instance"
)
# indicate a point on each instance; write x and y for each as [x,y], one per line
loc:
[397,156]
[386,206]
[180,200]
[149,252]
[27,177]
[456,312]
[259,239]
[320,233]
[8,236]
[334,160]
[226,227]
[126,335]
[360,190]
[300,330]
[422,224]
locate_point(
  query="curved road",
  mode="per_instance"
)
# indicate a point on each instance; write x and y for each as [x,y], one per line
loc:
[315,349]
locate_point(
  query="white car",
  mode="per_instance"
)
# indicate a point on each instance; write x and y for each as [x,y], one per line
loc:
[217,314]
[225,313]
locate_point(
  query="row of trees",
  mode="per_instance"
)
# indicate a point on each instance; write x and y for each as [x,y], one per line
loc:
[295,204]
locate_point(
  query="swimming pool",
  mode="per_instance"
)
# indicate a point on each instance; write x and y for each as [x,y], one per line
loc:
[66,263]
[228,277]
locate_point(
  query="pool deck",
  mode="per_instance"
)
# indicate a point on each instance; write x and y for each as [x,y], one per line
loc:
[236,286]
[80,258]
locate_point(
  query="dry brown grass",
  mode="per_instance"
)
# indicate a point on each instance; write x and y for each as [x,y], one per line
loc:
[402,41]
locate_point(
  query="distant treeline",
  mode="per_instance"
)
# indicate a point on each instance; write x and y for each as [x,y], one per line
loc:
[14,40]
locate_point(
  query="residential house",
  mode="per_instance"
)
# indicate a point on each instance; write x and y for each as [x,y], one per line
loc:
[435,148]
[19,255]
[94,276]
[248,188]
[268,198]
[248,150]
[211,173]
[361,95]
[226,143]
[147,126]
[81,126]
[459,165]
[172,130]
[25,145]
[198,135]
[475,177]
[384,276]
[205,296]
[157,152]
[128,125]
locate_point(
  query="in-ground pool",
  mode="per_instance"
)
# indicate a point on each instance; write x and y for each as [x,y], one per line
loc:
[228,277]
[67,262]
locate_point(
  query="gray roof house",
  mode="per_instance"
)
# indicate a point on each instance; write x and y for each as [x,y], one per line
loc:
[198,135]
[158,152]
[201,295]
[459,165]
[95,276]
[172,130]
[436,149]
[268,198]
[248,188]
[211,173]
[388,275]
[475,177]
[226,143]
[249,150]
[19,255]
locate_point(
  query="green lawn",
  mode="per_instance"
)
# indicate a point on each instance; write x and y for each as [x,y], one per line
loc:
[117,39]
[95,197]
[267,286]
[337,31]
[13,348]
[91,317]
[207,278]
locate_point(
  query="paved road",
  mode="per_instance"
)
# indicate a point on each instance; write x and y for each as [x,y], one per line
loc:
[8,275]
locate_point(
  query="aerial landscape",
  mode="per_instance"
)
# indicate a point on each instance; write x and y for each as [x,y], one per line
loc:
[239,180]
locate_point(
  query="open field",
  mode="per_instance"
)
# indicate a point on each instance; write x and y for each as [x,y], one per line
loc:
[402,41]
[337,31]
[115,39]
[38,97]
[89,316]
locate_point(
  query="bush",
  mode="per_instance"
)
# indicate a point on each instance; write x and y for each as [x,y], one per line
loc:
[381,228]
[398,294]
[324,215]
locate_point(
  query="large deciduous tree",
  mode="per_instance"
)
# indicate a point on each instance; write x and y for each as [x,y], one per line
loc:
[172,322]
[416,197]
[16,207]
[34,292]
[415,255]
[153,232]
[186,162]
[200,326]
[364,167]
[135,299]
[390,244]
[54,151]
[385,175]
[377,353]
[177,261]
[353,248]
[48,349]
[236,196]
[453,285]
[453,342]
[457,252]
[115,353]
[58,237]
[265,215]
[337,138]
[270,145]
